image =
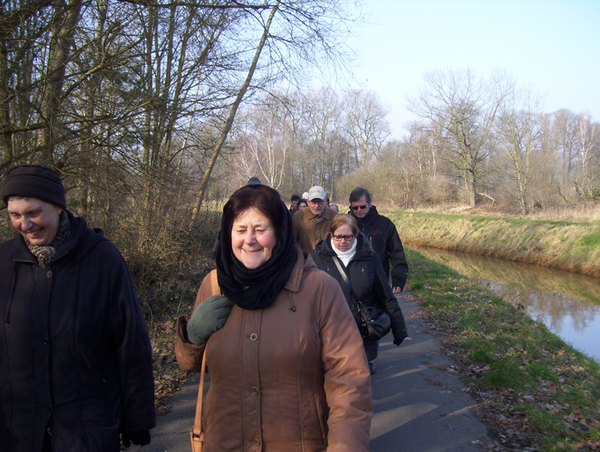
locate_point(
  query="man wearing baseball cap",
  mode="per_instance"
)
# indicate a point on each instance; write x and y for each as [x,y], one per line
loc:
[312,225]
[75,357]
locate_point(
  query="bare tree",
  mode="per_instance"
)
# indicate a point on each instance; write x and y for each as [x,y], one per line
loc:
[61,43]
[587,181]
[423,143]
[365,124]
[520,145]
[175,71]
[463,108]
[295,35]
[322,156]
[565,127]
[571,141]
[267,137]
[33,74]
[229,123]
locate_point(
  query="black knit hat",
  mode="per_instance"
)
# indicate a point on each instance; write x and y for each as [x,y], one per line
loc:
[34,181]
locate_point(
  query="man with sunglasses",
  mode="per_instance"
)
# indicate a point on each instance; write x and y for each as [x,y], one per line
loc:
[312,225]
[382,235]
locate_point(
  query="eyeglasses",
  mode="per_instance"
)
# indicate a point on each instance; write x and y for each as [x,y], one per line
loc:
[359,207]
[339,238]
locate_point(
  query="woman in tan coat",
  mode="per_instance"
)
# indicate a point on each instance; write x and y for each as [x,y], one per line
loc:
[287,367]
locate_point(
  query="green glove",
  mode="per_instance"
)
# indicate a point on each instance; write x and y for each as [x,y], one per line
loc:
[208,317]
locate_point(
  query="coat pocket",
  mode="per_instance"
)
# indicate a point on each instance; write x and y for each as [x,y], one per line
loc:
[323,412]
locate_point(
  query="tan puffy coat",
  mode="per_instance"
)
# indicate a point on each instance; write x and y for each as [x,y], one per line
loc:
[291,377]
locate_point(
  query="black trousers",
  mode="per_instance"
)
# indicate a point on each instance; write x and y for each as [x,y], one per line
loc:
[371,349]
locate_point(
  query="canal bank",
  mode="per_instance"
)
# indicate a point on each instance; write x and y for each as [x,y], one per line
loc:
[567,303]
[536,391]
[568,244]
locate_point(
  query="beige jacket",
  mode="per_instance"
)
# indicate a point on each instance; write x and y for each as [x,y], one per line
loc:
[310,229]
[290,377]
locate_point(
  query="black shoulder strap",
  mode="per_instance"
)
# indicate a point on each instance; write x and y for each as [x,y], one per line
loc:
[358,305]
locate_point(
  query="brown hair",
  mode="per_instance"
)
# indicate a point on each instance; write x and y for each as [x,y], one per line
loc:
[358,193]
[264,199]
[342,219]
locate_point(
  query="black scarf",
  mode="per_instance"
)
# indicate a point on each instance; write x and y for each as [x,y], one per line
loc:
[256,288]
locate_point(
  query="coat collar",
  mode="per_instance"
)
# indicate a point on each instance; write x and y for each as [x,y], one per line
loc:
[303,263]
[81,239]
[328,214]
[369,218]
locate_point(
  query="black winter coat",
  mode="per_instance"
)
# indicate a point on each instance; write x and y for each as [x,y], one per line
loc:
[385,241]
[74,350]
[368,280]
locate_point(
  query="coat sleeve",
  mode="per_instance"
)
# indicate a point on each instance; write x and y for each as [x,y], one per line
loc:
[347,377]
[134,351]
[395,250]
[384,295]
[189,356]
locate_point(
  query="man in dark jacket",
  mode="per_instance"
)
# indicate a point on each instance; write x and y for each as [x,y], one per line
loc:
[75,357]
[382,235]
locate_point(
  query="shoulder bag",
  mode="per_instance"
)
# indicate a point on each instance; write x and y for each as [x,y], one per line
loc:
[374,321]
[197,431]
[197,435]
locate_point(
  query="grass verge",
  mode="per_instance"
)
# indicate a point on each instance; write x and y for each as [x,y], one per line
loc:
[535,391]
[560,243]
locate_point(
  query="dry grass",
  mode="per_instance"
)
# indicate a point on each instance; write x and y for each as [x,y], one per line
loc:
[574,214]
[566,243]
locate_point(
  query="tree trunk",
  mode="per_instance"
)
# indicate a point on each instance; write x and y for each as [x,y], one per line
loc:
[62,41]
[230,119]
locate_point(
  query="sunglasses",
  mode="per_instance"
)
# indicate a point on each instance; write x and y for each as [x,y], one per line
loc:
[359,207]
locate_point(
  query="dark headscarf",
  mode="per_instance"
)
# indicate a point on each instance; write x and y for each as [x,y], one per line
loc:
[256,288]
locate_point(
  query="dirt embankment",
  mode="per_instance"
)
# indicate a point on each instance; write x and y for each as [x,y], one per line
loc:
[568,245]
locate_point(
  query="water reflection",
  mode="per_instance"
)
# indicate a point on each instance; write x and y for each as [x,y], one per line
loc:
[567,303]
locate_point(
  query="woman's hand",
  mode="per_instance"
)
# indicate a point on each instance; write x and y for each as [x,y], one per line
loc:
[208,317]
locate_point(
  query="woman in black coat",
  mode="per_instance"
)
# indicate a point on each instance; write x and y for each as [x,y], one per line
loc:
[75,357]
[365,274]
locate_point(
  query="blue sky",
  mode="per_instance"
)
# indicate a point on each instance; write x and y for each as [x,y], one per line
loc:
[549,46]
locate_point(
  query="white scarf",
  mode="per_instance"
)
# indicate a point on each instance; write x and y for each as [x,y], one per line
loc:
[346,256]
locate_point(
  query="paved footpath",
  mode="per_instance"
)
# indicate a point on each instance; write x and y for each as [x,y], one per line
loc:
[419,405]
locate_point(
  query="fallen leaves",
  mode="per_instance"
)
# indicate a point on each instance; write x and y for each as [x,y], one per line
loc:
[168,378]
[508,411]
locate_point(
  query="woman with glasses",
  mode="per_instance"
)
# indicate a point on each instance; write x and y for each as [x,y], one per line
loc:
[346,254]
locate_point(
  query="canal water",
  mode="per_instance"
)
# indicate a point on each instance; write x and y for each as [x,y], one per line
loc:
[567,303]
